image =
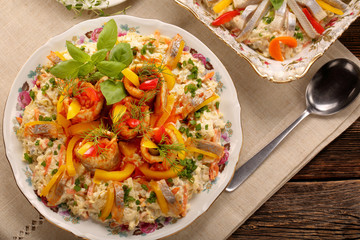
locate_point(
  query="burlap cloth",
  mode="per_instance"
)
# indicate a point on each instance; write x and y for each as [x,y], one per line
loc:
[267,108]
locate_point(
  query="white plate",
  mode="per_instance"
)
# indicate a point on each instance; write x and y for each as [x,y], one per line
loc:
[94,230]
[290,69]
[106,4]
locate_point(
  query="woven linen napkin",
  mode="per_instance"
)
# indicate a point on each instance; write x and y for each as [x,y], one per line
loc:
[267,109]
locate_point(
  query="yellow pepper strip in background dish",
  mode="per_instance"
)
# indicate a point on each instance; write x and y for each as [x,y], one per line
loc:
[85,147]
[74,109]
[171,173]
[47,188]
[109,203]
[113,175]
[169,106]
[160,197]
[206,153]
[131,76]
[169,77]
[118,112]
[69,156]
[221,5]
[330,8]
[81,128]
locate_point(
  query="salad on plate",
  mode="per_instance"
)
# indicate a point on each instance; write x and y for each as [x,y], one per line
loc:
[123,128]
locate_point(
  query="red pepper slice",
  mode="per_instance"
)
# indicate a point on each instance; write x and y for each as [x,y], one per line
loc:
[313,21]
[158,134]
[226,17]
[149,84]
[132,122]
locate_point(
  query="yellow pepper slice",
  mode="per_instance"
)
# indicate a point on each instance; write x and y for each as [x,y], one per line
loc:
[160,197]
[206,153]
[171,173]
[74,109]
[109,203]
[129,74]
[206,102]
[113,175]
[149,144]
[128,148]
[85,147]
[169,76]
[60,56]
[118,112]
[221,5]
[47,188]
[330,8]
[69,156]
[81,128]
[181,154]
[167,112]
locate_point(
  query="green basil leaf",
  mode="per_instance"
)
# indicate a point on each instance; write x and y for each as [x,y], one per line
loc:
[86,68]
[113,91]
[110,68]
[99,55]
[95,76]
[108,36]
[67,69]
[276,3]
[122,53]
[76,53]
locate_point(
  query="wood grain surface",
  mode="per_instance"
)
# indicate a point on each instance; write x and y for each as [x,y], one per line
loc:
[323,200]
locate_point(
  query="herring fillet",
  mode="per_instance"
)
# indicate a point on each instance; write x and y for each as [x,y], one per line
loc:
[253,22]
[279,18]
[290,23]
[241,20]
[304,22]
[245,3]
[314,8]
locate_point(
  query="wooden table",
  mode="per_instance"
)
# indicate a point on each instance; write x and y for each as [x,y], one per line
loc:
[323,200]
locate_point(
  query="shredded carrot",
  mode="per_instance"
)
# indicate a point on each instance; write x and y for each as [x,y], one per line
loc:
[274,46]
[48,162]
[61,155]
[36,114]
[209,75]
[175,190]
[157,38]
[185,200]
[214,170]
[91,189]
[46,141]
[19,120]
[70,191]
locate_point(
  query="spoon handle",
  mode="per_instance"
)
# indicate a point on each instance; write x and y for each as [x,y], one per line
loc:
[253,163]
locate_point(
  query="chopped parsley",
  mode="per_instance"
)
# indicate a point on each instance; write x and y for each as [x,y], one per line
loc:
[54,171]
[50,143]
[28,158]
[77,188]
[143,186]
[198,127]
[189,167]
[152,197]
[127,197]
[32,94]
[200,157]
[37,143]
[43,164]
[191,88]
[299,35]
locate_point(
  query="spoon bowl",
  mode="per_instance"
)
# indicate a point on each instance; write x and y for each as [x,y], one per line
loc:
[334,86]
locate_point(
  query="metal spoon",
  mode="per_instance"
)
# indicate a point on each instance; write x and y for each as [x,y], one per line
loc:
[333,87]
